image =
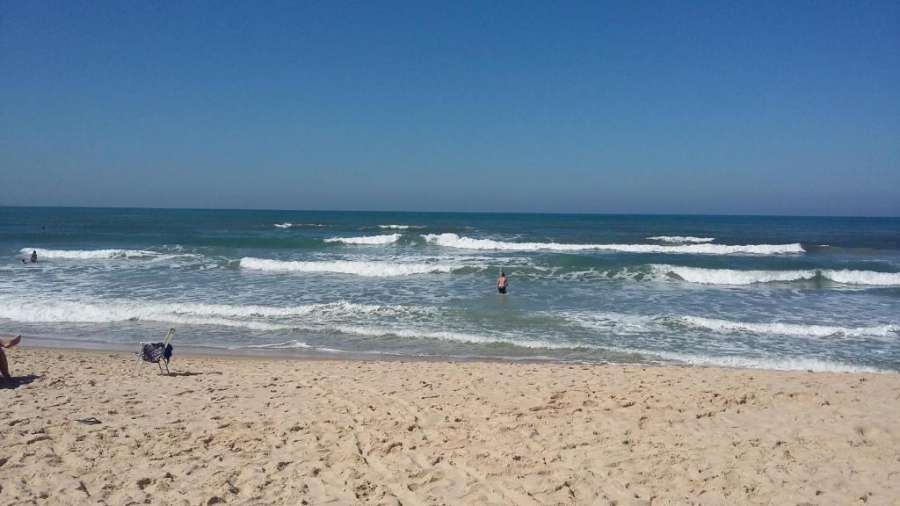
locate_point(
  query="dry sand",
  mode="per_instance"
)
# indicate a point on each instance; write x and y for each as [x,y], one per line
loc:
[271,431]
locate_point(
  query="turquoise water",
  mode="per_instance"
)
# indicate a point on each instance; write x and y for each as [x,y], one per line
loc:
[771,292]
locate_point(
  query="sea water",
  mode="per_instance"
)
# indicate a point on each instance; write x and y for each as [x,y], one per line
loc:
[769,292]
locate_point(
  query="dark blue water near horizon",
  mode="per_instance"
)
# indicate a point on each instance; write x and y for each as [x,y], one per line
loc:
[752,291]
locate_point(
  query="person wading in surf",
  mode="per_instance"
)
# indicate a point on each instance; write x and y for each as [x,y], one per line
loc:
[502,282]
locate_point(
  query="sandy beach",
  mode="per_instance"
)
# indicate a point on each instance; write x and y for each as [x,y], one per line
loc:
[247,430]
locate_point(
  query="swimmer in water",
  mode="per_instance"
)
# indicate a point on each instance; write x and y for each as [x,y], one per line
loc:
[34,257]
[502,282]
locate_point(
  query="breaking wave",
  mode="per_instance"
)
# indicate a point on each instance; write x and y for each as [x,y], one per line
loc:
[460,337]
[786,329]
[681,239]
[747,277]
[743,362]
[369,269]
[400,227]
[368,239]
[298,225]
[279,346]
[852,277]
[633,324]
[246,316]
[455,241]
[90,254]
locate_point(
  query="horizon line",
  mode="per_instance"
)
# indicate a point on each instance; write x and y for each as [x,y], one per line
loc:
[561,213]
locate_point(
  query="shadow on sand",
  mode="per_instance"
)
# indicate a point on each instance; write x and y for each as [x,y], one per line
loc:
[17,381]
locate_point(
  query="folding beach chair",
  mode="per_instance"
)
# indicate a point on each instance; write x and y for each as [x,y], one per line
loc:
[158,353]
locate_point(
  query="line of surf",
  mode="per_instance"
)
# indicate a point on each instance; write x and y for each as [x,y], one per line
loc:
[681,239]
[455,241]
[635,324]
[400,227]
[770,363]
[707,276]
[358,268]
[746,362]
[444,335]
[787,329]
[92,254]
[250,316]
[366,239]
[288,224]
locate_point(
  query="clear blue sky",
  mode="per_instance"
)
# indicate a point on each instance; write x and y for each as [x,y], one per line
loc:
[657,107]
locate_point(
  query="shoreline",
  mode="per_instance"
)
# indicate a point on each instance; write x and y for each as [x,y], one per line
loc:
[311,356]
[271,430]
[314,354]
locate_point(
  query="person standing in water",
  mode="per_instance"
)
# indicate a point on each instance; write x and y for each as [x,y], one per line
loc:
[34,257]
[502,282]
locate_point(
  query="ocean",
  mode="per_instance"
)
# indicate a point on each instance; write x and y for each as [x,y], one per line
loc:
[796,293]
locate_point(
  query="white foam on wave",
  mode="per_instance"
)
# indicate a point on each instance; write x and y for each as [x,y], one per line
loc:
[400,227]
[769,363]
[747,277]
[358,268]
[730,276]
[288,224]
[246,316]
[279,346]
[455,241]
[681,239]
[80,312]
[788,329]
[460,337]
[625,324]
[609,322]
[854,277]
[287,345]
[366,240]
[91,254]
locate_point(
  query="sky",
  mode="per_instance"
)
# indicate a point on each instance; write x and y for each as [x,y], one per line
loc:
[623,107]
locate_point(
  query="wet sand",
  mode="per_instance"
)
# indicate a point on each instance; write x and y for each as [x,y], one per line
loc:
[256,430]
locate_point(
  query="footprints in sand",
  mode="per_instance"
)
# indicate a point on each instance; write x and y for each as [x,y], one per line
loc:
[435,433]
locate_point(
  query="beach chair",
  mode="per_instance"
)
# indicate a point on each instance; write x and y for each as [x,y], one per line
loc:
[158,353]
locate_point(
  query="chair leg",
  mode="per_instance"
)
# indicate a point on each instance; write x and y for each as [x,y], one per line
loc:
[160,367]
